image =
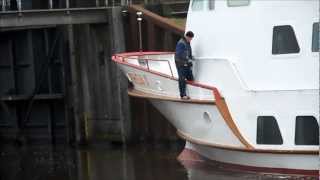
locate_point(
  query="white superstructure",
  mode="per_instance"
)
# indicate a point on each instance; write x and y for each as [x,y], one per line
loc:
[235,53]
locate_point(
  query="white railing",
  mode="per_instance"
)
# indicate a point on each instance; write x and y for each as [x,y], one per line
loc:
[21,5]
[149,64]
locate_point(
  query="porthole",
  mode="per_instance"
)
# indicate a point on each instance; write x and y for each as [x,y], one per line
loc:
[207,117]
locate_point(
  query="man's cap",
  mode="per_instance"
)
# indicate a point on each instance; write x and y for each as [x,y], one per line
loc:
[190,34]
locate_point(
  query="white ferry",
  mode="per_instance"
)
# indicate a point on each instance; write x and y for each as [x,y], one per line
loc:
[255,99]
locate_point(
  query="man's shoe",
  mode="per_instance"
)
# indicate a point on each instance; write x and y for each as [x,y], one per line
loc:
[185,97]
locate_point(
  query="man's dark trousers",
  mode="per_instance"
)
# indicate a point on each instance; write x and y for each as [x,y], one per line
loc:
[184,73]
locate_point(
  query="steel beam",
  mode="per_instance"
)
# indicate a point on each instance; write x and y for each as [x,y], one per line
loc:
[29,18]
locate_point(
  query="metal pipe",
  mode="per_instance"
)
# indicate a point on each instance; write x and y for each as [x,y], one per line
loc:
[19,5]
[50,4]
[3,3]
[123,2]
[67,4]
[139,19]
[148,65]
[170,69]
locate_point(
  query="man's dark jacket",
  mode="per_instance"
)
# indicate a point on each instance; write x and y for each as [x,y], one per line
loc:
[183,53]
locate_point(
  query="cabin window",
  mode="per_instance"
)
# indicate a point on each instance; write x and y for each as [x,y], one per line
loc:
[307,131]
[211,4]
[268,131]
[197,5]
[315,37]
[236,3]
[284,40]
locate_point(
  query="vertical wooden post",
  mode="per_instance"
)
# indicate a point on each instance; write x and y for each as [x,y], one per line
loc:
[85,55]
[117,40]
[75,96]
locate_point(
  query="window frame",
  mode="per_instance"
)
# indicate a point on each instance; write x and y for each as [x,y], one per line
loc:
[314,40]
[207,5]
[197,10]
[296,138]
[260,132]
[211,5]
[274,32]
[243,5]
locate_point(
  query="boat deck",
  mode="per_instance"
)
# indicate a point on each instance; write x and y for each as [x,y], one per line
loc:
[140,94]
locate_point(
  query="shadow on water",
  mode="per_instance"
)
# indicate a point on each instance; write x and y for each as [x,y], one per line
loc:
[102,162]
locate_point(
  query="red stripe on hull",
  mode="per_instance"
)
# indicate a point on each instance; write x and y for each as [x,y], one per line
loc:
[192,159]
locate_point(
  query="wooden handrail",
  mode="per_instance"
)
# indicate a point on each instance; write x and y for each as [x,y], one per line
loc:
[163,22]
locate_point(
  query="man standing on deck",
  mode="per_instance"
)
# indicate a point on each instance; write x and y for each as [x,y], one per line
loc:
[183,57]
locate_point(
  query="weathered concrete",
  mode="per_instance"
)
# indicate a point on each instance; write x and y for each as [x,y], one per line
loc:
[53,17]
[117,46]
[101,104]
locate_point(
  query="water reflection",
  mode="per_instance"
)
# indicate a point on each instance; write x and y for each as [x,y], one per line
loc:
[143,162]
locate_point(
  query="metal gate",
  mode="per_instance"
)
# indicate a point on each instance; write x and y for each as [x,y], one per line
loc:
[32,85]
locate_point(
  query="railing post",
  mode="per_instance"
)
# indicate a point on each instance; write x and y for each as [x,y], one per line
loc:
[123,2]
[67,4]
[19,5]
[147,64]
[50,4]
[3,4]
[170,69]
[106,3]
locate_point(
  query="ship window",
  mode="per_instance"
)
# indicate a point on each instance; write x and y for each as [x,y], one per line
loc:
[236,3]
[284,40]
[197,5]
[268,131]
[315,38]
[307,131]
[211,4]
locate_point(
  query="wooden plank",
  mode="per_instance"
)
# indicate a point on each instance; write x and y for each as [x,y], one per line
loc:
[157,20]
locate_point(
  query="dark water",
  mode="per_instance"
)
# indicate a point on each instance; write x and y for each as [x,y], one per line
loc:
[102,162]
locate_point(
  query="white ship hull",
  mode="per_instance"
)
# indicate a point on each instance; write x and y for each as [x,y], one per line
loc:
[207,125]
[215,141]
[271,161]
